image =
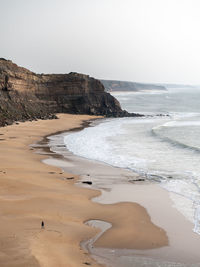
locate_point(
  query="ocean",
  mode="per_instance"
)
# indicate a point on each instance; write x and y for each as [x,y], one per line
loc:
[163,146]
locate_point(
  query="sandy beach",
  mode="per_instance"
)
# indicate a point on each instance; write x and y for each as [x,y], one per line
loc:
[31,191]
[118,185]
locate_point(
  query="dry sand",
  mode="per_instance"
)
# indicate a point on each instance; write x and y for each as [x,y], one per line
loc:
[31,191]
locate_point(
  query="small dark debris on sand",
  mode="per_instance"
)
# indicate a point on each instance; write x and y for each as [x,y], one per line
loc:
[87,182]
[67,178]
[70,178]
[138,180]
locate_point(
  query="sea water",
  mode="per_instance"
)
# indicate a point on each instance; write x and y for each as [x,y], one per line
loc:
[164,149]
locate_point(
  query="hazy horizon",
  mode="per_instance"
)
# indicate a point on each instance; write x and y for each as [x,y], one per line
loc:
[148,41]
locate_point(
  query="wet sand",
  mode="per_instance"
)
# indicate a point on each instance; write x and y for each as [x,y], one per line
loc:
[31,191]
[118,186]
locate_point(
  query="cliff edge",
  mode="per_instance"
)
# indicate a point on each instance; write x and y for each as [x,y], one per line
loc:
[25,95]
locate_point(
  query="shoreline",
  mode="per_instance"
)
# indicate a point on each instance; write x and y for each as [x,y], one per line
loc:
[155,235]
[31,191]
[176,226]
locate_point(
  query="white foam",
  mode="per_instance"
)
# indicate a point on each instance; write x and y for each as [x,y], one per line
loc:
[126,143]
[96,144]
[186,199]
[184,205]
[181,123]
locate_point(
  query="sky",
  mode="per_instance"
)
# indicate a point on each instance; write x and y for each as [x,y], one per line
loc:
[132,40]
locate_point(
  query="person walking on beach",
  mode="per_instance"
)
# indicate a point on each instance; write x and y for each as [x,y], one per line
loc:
[42,225]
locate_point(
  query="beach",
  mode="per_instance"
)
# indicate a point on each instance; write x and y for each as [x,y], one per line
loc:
[124,248]
[32,191]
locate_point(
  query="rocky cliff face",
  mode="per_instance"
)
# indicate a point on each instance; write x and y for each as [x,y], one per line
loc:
[26,95]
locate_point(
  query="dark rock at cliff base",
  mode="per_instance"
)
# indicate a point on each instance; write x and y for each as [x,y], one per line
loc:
[25,95]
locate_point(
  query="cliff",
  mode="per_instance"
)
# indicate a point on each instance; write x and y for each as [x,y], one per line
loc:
[25,95]
[111,85]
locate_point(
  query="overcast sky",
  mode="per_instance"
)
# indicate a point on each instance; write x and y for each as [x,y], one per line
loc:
[136,40]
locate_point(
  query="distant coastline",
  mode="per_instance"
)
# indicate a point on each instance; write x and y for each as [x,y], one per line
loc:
[128,86]
[124,86]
